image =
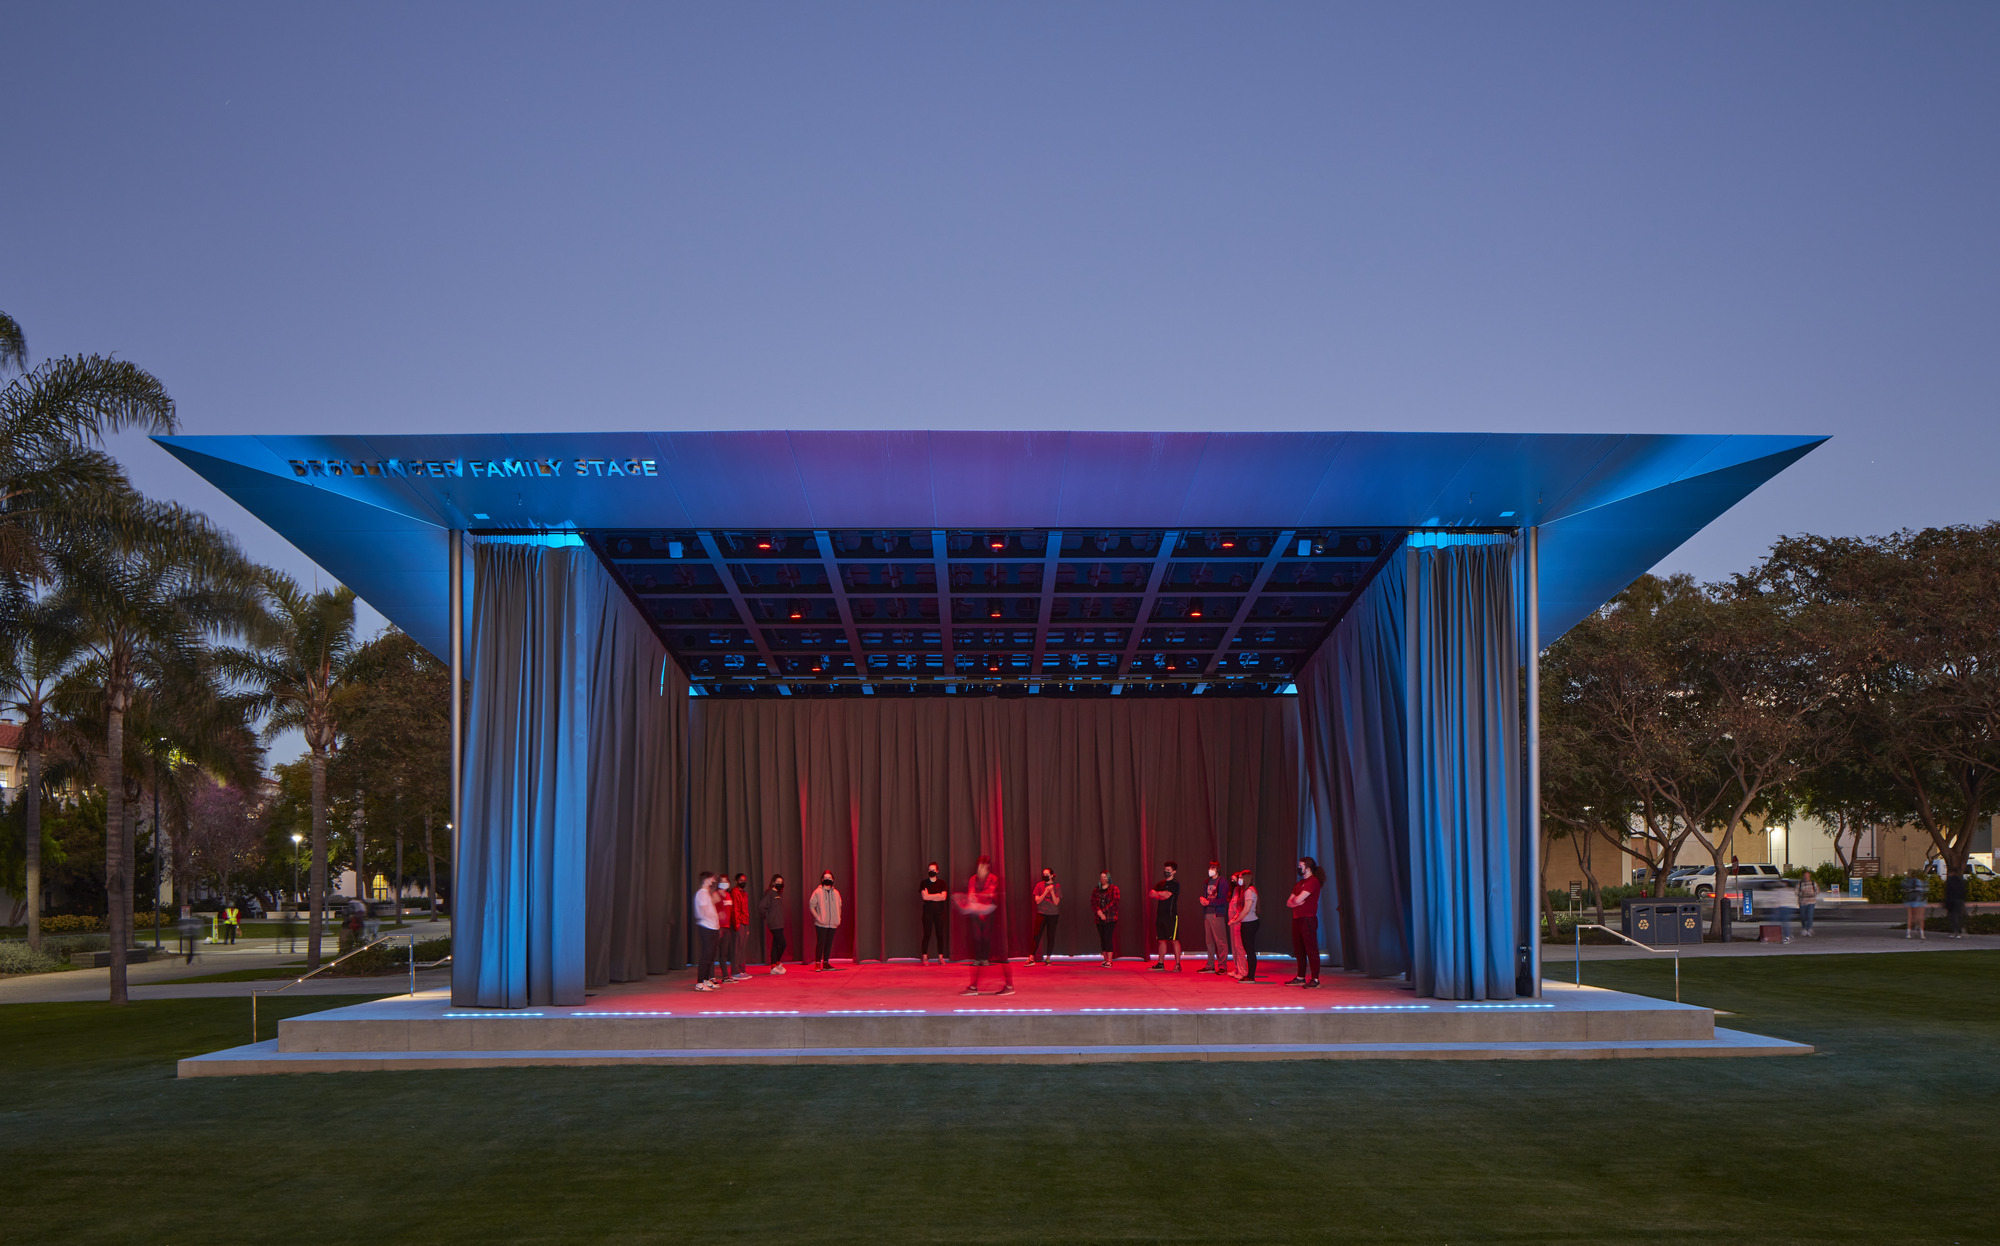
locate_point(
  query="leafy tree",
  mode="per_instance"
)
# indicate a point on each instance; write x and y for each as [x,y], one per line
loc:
[149,584]
[1924,707]
[397,737]
[300,675]
[38,648]
[53,418]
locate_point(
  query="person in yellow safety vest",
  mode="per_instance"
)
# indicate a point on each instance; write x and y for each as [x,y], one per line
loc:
[232,922]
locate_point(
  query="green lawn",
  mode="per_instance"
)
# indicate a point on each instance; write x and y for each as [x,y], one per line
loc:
[1888,1135]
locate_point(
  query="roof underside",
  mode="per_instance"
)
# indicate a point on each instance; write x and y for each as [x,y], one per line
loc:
[973,560]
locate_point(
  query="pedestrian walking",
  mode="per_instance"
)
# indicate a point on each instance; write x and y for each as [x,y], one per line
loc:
[707,924]
[232,922]
[1048,911]
[936,897]
[1916,903]
[1304,904]
[1955,886]
[1808,899]
[772,910]
[825,907]
[1785,898]
[1104,907]
[984,905]
[1215,920]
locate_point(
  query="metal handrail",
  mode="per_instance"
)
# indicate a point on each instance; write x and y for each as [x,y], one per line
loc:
[1580,927]
[409,937]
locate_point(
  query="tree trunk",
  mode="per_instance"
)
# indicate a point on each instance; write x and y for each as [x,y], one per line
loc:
[399,871]
[317,887]
[32,765]
[430,854]
[361,888]
[117,893]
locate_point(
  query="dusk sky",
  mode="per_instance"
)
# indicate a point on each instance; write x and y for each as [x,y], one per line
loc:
[1721,218]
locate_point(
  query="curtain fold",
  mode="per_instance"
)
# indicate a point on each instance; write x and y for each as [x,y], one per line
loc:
[1351,710]
[1464,731]
[875,789]
[1410,745]
[572,784]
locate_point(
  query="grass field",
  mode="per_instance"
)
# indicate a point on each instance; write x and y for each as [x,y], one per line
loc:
[1888,1135]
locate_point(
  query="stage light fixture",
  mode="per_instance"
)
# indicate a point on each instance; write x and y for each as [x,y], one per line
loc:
[993,608]
[798,610]
[1227,540]
[1194,608]
[996,540]
[764,541]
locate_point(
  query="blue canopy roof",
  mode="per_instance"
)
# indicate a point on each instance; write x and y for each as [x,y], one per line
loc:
[375,510]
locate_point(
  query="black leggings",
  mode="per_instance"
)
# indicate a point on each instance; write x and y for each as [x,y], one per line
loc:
[1046,935]
[1106,932]
[1250,950]
[778,946]
[934,926]
[823,945]
[704,954]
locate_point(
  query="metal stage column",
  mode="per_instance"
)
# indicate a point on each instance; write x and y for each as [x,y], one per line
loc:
[1534,855]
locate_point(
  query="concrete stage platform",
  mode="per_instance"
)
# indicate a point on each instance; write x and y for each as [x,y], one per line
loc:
[1072,1012]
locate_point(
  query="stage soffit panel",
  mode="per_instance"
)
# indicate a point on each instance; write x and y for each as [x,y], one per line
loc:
[1158,609]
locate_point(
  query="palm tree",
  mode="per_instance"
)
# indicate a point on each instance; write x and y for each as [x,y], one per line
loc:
[50,417]
[38,647]
[300,676]
[149,584]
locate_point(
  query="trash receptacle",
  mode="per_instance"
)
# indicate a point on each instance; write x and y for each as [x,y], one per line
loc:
[1659,922]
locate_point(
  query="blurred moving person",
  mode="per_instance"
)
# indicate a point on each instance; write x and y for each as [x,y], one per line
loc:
[706,926]
[984,906]
[1916,903]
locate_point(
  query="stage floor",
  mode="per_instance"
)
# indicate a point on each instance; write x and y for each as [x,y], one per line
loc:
[1070,1012]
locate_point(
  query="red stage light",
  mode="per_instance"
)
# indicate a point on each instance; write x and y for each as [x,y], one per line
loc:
[763,540]
[1229,540]
[996,541]
[1194,608]
[993,608]
[798,610]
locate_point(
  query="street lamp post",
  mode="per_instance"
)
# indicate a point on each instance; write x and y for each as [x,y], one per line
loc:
[156,845]
[298,899]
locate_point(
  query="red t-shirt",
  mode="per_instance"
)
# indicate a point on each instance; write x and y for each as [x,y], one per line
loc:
[1309,911]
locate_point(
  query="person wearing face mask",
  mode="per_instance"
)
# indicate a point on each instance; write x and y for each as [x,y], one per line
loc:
[825,907]
[1104,907]
[1243,926]
[772,910]
[1048,911]
[725,929]
[1167,917]
[1304,903]
[706,924]
[1215,920]
[984,904]
[936,914]
[743,941]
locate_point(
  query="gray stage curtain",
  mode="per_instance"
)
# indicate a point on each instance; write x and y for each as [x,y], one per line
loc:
[572,788]
[1464,738]
[1425,855]
[1351,710]
[873,789]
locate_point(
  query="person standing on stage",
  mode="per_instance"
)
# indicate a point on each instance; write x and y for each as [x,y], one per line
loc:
[1304,903]
[1215,920]
[935,915]
[773,912]
[1104,907]
[1048,911]
[1243,925]
[825,907]
[1167,917]
[984,906]
[706,924]
[725,929]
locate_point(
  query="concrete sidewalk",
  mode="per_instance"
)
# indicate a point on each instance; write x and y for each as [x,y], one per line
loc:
[1828,939]
[148,980]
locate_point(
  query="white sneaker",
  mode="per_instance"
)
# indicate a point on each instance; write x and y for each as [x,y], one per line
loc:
[744,977]
[778,969]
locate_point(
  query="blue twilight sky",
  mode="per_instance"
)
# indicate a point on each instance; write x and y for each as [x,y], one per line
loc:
[1708,217]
